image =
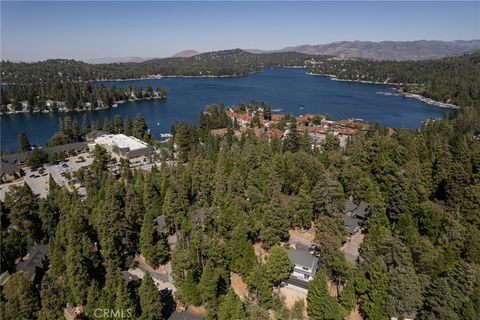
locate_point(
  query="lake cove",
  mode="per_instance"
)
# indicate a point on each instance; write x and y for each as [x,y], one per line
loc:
[289,89]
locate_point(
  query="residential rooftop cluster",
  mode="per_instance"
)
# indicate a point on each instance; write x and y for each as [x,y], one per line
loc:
[317,126]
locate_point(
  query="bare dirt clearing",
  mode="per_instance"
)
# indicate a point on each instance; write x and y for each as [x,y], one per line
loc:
[239,287]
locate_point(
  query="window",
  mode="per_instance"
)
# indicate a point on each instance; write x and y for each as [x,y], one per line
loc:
[306,276]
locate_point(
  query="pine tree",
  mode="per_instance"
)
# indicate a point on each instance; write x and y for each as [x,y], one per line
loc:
[51,298]
[347,298]
[115,233]
[23,212]
[260,286]
[189,293]
[275,220]
[278,265]
[375,299]
[331,143]
[231,307]
[292,140]
[117,124]
[23,141]
[123,299]
[152,247]
[241,251]
[320,305]
[21,297]
[405,292]
[301,206]
[80,260]
[139,128]
[150,300]
[208,284]
[86,126]
[127,126]
[328,197]
[183,140]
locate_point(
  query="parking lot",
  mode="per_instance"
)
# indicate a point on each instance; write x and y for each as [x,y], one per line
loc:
[37,178]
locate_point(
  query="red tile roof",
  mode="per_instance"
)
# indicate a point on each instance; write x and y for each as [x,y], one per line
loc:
[353,124]
[277,117]
[275,133]
[346,131]
[312,129]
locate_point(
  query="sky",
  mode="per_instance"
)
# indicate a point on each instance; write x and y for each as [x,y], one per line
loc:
[84,30]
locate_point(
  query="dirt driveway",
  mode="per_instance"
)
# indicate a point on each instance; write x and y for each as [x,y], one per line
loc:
[350,249]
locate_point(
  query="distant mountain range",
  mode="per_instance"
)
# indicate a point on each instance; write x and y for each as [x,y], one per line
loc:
[384,50]
[390,50]
[185,54]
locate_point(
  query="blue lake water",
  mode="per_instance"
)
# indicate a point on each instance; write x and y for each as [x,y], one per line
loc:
[284,89]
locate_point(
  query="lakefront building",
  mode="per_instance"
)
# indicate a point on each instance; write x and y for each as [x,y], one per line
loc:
[122,146]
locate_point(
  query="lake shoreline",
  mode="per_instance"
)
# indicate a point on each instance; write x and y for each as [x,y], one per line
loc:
[158,77]
[81,110]
[429,101]
[283,88]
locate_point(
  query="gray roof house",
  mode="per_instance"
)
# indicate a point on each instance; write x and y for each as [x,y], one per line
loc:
[358,211]
[34,262]
[354,215]
[10,171]
[352,224]
[361,211]
[350,205]
[306,265]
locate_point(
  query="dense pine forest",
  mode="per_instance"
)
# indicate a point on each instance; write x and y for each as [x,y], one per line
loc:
[225,198]
[452,80]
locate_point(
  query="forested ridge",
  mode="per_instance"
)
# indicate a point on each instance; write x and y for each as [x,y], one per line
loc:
[420,255]
[216,63]
[453,80]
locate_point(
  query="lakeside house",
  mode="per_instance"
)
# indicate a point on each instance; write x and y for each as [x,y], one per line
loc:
[122,146]
[305,267]
[315,125]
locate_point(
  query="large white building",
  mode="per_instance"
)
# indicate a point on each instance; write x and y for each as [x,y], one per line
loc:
[123,146]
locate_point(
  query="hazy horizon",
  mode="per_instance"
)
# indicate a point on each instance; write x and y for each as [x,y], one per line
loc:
[33,31]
